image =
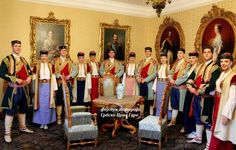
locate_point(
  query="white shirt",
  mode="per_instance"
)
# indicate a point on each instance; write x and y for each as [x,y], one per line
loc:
[94,68]
[111,60]
[62,58]
[81,70]
[131,68]
[191,69]
[44,71]
[162,71]
[220,79]
[180,63]
[16,56]
[147,59]
[208,62]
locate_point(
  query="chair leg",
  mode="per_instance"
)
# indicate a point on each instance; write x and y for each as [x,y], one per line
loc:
[139,141]
[68,145]
[159,144]
[96,142]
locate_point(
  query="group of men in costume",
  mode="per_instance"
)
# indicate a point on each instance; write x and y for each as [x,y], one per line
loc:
[192,88]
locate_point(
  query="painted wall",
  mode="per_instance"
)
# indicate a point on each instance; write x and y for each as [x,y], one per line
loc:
[15,24]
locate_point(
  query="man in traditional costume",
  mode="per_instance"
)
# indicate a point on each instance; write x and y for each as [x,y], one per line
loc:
[188,119]
[224,116]
[111,66]
[178,89]
[161,82]
[16,71]
[93,68]
[64,68]
[146,75]
[203,87]
[45,89]
[129,78]
[82,83]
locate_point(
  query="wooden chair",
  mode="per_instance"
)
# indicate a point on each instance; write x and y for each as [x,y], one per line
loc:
[152,129]
[108,85]
[79,127]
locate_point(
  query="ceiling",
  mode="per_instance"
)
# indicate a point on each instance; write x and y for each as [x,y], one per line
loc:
[127,7]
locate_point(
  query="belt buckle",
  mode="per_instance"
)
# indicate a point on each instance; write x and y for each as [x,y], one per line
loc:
[44,80]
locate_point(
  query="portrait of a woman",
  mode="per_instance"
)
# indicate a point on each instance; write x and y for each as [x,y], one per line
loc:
[216,42]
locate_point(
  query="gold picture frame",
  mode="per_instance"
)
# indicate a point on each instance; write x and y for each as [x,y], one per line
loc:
[122,47]
[216,15]
[48,34]
[167,25]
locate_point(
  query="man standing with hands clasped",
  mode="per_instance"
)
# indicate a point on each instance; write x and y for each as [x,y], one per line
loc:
[16,71]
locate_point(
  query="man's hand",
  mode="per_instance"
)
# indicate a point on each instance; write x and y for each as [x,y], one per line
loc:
[142,80]
[68,77]
[19,81]
[28,80]
[139,80]
[224,120]
[172,81]
[89,91]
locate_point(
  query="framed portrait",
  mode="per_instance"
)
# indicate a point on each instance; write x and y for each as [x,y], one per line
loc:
[116,37]
[217,29]
[48,34]
[169,39]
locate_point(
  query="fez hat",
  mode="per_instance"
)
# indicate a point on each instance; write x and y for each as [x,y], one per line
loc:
[132,54]
[92,53]
[181,49]
[43,52]
[193,53]
[226,55]
[148,48]
[208,47]
[62,47]
[15,42]
[80,54]
[163,54]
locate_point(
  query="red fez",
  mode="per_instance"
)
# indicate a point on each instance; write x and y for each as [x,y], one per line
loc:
[62,47]
[92,53]
[43,52]
[148,48]
[226,55]
[193,53]
[15,42]
[181,49]
[163,54]
[132,54]
[80,54]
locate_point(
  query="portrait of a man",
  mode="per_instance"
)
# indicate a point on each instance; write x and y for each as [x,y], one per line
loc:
[169,39]
[115,39]
[170,43]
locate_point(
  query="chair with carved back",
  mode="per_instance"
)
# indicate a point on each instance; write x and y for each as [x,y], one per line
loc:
[152,129]
[80,127]
[108,85]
